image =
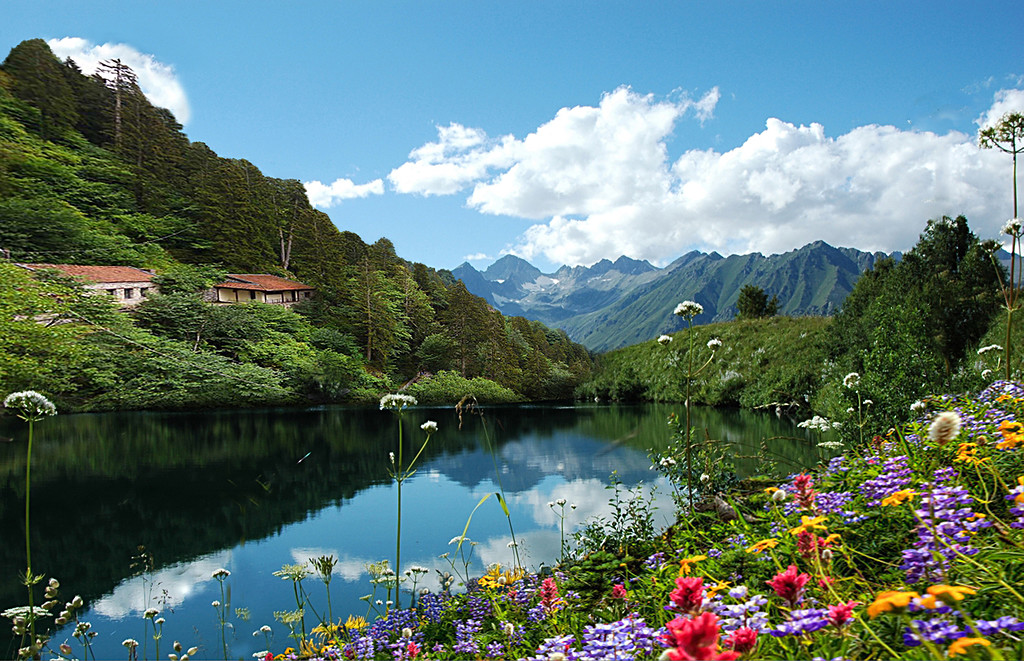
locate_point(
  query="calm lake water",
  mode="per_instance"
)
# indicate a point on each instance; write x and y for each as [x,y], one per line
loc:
[253,490]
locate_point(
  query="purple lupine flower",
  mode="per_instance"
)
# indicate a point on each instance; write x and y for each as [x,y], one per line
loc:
[618,641]
[1017,496]
[947,524]
[894,477]
[560,644]
[935,630]
[804,620]
[464,641]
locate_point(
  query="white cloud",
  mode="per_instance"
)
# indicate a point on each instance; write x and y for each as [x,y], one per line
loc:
[1010,100]
[157,80]
[600,181]
[327,195]
[477,257]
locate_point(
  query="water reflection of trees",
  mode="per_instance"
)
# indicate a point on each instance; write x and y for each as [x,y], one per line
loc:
[188,484]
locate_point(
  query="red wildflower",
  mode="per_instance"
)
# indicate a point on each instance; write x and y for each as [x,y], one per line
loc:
[742,640]
[688,595]
[789,585]
[619,591]
[413,649]
[696,639]
[804,491]
[548,593]
[840,614]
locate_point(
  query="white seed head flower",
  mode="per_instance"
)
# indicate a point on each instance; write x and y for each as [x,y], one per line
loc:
[714,344]
[130,643]
[397,402]
[429,426]
[215,603]
[406,632]
[944,427]
[30,405]
[150,613]
[704,477]
[508,629]
[560,502]
[852,380]
[689,309]
[220,573]
[664,339]
[778,495]
[1012,227]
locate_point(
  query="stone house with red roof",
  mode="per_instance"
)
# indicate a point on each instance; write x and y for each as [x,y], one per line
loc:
[128,285]
[259,288]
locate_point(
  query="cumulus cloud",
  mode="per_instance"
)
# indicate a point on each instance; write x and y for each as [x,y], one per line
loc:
[157,80]
[327,195]
[601,183]
[477,257]
[1009,100]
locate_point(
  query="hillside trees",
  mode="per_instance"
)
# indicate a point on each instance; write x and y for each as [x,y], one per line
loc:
[92,173]
[753,303]
[906,328]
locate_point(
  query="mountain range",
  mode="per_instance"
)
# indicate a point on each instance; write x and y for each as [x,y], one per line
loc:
[613,304]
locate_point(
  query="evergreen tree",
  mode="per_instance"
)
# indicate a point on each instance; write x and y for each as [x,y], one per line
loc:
[39,79]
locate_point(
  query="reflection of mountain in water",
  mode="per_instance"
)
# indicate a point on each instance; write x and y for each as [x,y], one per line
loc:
[185,485]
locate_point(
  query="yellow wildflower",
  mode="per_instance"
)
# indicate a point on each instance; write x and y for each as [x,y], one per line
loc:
[833,538]
[898,497]
[1013,435]
[890,601]
[960,645]
[928,601]
[356,622]
[807,524]
[950,594]
[684,564]
[762,545]
[771,490]
[715,589]
[967,453]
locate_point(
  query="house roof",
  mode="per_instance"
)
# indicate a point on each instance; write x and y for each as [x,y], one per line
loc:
[97,274]
[260,282]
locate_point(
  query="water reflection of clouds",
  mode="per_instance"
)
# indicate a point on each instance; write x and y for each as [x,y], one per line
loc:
[164,589]
[347,568]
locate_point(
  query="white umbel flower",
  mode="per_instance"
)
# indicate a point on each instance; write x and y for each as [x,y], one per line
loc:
[1012,227]
[689,309]
[714,344]
[429,426]
[664,339]
[397,402]
[30,405]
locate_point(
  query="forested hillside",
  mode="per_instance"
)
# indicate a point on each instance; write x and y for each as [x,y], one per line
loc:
[92,173]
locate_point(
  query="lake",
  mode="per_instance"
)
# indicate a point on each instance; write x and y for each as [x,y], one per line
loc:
[252,490]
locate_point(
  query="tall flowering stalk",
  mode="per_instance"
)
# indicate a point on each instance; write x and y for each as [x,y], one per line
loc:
[688,310]
[31,407]
[1011,290]
[401,472]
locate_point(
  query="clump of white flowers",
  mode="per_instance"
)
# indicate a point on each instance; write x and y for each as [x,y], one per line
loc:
[397,402]
[992,347]
[30,405]
[818,423]
[852,380]
[429,426]
[689,309]
[944,428]
[1012,227]
[664,339]
[714,343]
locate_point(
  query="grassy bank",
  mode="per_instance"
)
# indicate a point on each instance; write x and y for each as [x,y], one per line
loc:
[762,363]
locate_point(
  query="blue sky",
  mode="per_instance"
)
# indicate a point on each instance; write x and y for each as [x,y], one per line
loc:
[567,132]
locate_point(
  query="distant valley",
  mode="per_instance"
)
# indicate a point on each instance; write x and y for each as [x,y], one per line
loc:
[613,304]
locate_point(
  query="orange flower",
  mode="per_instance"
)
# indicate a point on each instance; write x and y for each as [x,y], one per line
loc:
[898,497]
[890,601]
[960,645]
[1012,435]
[950,594]
[807,524]
[762,545]
[684,564]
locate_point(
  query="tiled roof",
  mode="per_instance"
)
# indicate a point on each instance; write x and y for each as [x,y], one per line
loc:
[260,282]
[97,274]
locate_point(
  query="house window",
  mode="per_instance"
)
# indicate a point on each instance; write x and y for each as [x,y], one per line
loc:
[112,292]
[252,296]
[142,292]
[295,295]
[306,294]
[129,293]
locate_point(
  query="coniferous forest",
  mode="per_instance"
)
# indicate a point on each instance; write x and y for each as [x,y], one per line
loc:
[92,173]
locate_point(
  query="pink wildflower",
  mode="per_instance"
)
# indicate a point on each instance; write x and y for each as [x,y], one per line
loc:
[840,614]
[804,491]
[695,638]
[619,591]
[548,593]
[742,640]
[789,585]
[688,595]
